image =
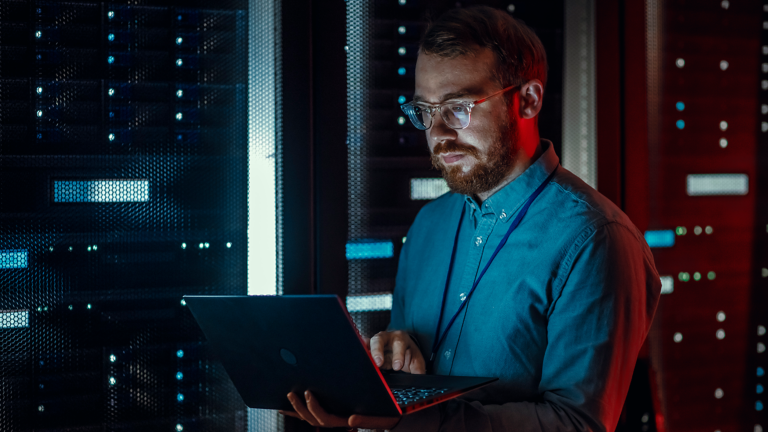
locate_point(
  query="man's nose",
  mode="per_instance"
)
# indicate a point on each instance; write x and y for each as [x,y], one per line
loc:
[440,131]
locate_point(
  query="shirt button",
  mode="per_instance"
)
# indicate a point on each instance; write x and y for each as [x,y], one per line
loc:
[478,241]
[447,354]
[462,296]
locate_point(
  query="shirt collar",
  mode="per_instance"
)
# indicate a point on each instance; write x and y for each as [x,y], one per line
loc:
[505,202]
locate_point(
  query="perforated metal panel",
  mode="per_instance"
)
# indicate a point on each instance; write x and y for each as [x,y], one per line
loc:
[123,187]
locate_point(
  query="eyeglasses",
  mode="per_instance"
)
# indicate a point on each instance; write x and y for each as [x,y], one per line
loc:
[455,114]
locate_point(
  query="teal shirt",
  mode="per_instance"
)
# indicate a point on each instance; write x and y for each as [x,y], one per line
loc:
[559,317]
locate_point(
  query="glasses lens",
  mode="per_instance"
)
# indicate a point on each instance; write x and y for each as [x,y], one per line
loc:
[419,117]
[456,116]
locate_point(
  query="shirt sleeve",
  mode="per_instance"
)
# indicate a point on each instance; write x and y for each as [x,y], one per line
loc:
[604,297]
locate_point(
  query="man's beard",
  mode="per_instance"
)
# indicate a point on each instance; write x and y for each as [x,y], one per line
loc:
[489,170]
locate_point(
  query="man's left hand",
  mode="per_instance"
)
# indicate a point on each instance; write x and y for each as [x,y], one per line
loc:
[314,414]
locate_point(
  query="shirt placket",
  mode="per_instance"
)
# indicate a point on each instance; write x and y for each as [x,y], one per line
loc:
[471,268]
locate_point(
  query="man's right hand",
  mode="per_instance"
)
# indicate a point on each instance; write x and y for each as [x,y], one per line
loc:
[396,350]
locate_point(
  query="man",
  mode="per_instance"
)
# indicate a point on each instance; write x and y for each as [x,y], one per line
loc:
[561,311]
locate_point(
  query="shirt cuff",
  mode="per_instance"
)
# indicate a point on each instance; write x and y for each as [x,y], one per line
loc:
[426,420]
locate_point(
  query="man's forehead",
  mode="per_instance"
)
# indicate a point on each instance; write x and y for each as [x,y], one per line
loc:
[439,79]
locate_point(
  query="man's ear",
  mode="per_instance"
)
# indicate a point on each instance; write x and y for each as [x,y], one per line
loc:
[531,96]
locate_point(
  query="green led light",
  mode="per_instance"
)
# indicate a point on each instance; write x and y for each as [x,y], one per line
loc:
[697,276]
[680,230]
[711,275]
[684,277]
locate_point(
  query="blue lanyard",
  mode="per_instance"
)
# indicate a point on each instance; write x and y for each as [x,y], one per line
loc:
[439,339]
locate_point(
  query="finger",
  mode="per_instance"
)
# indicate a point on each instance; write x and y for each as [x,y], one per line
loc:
[368,422]
[378,343]
[290,413]
[398,351]
[325,419]
[418,365]
[301,409]
[407,362]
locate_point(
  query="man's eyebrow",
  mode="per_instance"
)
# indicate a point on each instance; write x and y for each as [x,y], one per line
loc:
[445,97]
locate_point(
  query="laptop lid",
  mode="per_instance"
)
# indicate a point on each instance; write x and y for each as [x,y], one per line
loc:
[272,345]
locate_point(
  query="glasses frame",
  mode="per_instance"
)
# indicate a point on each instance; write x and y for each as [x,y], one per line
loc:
[408,109]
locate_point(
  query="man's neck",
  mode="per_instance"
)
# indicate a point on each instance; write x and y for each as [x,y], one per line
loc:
[522,163]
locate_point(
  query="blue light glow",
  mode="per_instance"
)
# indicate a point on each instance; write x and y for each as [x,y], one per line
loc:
[179,376]
[401,29]
[179,62]
[92,191]
[39,90]
[111,37]
[370,249]
[661,238]
[758,406]
[760,371]
[179,41]
[401,51]
[401,71]
[13,259]
[111,59]
[680,106]
[369,303]
[680,124]
[401,99]
[38,34]
[180,353]
[759,389]
[14,319]
[110,14]
[180,397]
[179,93]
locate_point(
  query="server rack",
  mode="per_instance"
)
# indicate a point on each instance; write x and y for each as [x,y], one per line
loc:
[123,187]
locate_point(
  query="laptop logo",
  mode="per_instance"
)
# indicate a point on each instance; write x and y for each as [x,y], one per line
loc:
[288,357]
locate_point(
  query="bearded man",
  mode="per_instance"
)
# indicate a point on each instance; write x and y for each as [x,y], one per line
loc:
[522,271]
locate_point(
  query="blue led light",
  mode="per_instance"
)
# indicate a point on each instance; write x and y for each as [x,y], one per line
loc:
[759,389]
[661,238]
[13,259]
[110,14]
[111,37]
[401,29]
[401,99]
[680,106]
[179,62]
[180,397]
[111,59]
[100,191]
[370,249]
[760,371]
[179,93]
[111,137]
[39,90]
[111,92]
[111,114]
[179,41]
[401,51]
[38,34]
[758,406]
[179,376]
[680,124]
[180,353]
[401,71]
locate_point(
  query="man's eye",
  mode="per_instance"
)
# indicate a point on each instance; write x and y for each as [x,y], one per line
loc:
[457,108]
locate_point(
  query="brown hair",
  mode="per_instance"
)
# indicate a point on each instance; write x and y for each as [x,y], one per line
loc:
[520,56]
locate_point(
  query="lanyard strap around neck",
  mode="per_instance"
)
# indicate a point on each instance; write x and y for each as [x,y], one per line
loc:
[438,338]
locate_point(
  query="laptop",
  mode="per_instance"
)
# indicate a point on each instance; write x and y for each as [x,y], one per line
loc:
[273,345]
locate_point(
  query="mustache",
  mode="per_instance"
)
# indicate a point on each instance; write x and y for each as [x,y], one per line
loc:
[454,147]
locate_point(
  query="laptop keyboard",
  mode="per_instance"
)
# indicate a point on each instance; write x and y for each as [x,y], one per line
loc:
[405,396]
